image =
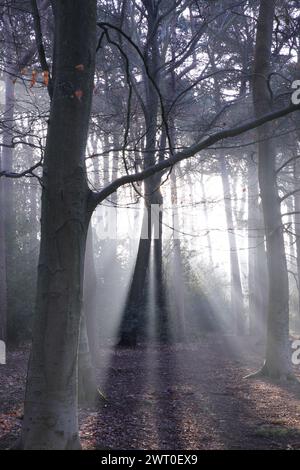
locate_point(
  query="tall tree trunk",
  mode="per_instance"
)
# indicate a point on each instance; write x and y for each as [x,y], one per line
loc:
[3,283]
[134,312]
[115,166]
[134,319]
[50,417]
[89,298]
[12,68]
[114,201]
[205,213]
[236,292]
[257,263]
[177,269]
[87,384]
[6,196]
[297,224]
[296,171]
[237,303]
[162,320]
[278,363]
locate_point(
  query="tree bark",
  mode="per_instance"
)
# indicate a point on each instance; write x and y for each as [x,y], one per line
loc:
[50,417]
[6,184]
[278,363]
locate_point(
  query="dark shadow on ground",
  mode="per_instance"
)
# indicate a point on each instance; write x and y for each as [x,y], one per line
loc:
[184,396]
[194,397]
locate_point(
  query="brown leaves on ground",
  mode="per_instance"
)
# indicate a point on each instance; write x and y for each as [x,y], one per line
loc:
[179,397]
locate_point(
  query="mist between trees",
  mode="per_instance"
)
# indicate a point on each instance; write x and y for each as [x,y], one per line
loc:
[149,188]
[129,219]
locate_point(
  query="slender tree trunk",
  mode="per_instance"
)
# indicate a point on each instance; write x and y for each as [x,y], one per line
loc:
[290,205]
[115,166]
[205,212]
[191,190]
[6,184]
[296,171]
[96,178]
[162,320]
[87,384]
[3,283]
[12,68]
[114,200]
[257,263]
[177,269]
[50,418]
[278,363]
[237,303]
[236,294]
[89,298]
[297,225]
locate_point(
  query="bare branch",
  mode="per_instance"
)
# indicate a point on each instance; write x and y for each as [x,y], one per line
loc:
[204,143]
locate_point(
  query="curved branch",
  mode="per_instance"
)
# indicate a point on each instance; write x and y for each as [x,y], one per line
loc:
[204,143]
[29,172]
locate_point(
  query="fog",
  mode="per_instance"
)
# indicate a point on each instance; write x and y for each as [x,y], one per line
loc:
[149,224]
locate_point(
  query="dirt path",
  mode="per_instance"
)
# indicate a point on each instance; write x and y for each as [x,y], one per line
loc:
[179,397]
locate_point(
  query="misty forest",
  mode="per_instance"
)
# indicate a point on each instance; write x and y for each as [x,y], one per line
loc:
[149,224]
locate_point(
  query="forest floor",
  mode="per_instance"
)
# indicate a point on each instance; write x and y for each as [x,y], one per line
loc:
[180,397]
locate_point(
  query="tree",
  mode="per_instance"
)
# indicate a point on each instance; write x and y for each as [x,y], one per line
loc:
[3,284]
[257,263]
[50,418]
[235,277]
[15,61]
[134,323]
[277,364]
